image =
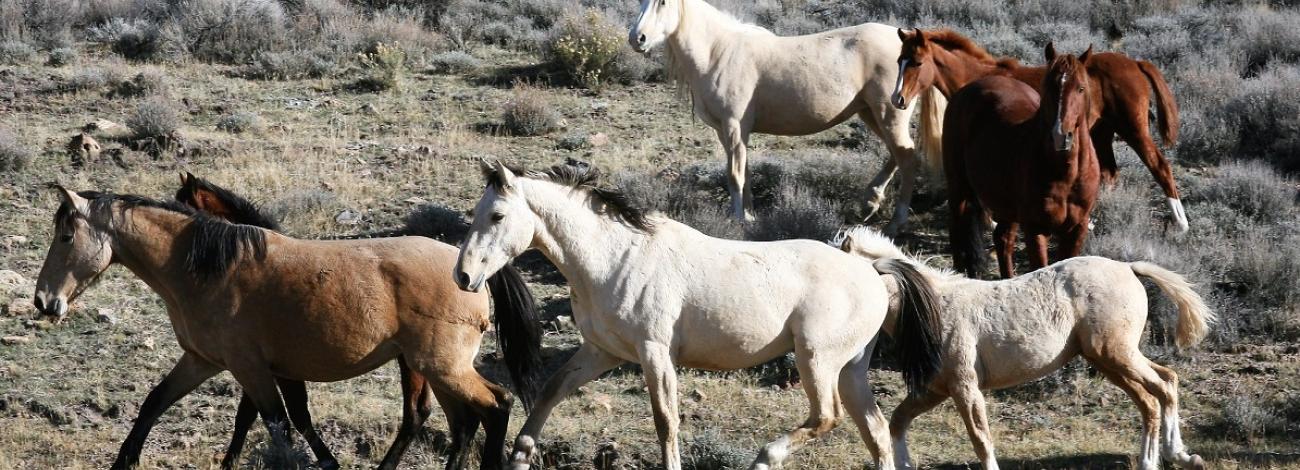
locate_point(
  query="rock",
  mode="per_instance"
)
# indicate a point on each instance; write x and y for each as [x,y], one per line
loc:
[348,217]
[698,395]
[105,315]
[9,242]
[598,139]
[601,401]
[147,344]
[83,149]
[15,340]
[20,308]
[106,128]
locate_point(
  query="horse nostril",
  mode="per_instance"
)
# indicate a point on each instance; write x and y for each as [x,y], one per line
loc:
[462,278]
[36,302]
[641,39]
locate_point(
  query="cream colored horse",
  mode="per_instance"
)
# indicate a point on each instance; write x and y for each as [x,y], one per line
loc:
[649,290]
[998,334]
[265,306]
[743,79]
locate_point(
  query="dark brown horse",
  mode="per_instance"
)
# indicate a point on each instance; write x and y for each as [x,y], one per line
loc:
[1031,165]
[417,403]
[1122,88]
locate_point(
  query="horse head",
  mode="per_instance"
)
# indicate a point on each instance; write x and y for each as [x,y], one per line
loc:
[1066,96]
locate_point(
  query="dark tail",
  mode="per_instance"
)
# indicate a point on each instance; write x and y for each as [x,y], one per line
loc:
[966,238]
[519,331]
[916,334]
[1166,107]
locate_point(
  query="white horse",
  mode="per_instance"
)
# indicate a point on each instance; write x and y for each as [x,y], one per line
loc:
[743,79]
[998,334]
[649,290]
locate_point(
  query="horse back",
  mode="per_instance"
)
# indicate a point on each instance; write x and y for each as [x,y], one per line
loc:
[986,134]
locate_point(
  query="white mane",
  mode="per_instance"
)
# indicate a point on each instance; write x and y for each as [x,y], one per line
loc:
[870,243]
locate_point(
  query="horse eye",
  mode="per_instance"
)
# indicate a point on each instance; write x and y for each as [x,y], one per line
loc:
[1080,88]
[663,3]
[496,217]
[65,238]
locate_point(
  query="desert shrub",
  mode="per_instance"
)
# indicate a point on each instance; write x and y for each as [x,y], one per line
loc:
[1257,118]
[134,39]
[61,57]
[231,31]
[15,52]
[241,122]
[150,81]
[437,222]
[797,213]
[708,451]
[1247,418]
[1265,37]
[1253,189]
[454,62]
[384,68]
[13,155]
[290,65]
[529,113]
[299,202]
[586,48]
[110,76]
[46,24]
[400,27]
[684,199]
[154,118]
[1068,38]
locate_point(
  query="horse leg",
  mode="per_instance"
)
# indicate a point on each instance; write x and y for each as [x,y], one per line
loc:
[295,400]
[896,125]
[1103,143]
[463,423]
[260,386]
[585,365]
[860,401]
[1118,373]
[1070,243]
[415,410]
[185,376]
[1036,246]
[1004,240]
[970,403]
[735,139]
[819,376]
[1139,138]
[876,189]
[244,419]
[1173,449]
[661,380]
[901,420]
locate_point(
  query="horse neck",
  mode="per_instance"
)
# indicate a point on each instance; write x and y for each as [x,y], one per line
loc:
[699,29]
[586,247]
[144,240]
[957,68]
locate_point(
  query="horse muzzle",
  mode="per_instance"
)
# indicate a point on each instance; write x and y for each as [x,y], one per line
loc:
[898,100]
[56,309]
[468,284]
[1064,142]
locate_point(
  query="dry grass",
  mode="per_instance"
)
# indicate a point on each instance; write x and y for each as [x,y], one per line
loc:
[68,396]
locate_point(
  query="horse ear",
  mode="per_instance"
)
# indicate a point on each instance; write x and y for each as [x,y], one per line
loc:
[506,176]
[185,178]
[1086,56]
[847,245]
[485,166]
[1049,52]
[81,204]
[903,34]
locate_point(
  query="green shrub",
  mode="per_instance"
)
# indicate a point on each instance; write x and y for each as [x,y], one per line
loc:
[15,52]
[384,67]
[290,65]
[587,48]
[239,123]
[61,57]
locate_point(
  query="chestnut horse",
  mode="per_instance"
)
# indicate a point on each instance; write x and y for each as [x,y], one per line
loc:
[1030,165]
[265,306]
[1121,87]
[417,396]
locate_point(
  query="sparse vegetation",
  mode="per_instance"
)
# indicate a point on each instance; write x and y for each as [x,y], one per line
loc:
[529,113]
[411,169]
[154,118]
[587,47]
[384,68]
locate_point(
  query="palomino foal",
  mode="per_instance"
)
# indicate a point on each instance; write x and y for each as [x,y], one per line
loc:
[999,334]
[744,79]
[263,305]
[650,290]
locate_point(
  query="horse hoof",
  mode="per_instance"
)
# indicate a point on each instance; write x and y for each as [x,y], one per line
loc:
[330,464]
[1196,462]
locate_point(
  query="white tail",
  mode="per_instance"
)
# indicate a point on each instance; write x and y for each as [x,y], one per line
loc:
[933,104]
[1194,318]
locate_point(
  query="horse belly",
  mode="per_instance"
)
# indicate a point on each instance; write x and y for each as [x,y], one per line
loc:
[1014,361]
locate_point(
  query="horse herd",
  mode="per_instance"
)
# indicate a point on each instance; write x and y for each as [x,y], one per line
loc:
[1023,146]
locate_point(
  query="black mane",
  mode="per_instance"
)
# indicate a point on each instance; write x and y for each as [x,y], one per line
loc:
[583,175]
[214,243]
[242,210]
